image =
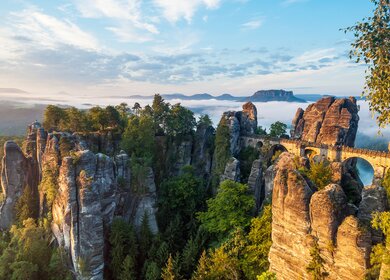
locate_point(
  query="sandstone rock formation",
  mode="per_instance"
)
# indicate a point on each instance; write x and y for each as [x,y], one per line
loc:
[248,118]
[352,254]
[13,182]
[147,203]
[291,241]
[83,209]
[256,182]
[232,170]
[240,123]
[302,217]
[90,189]
[328,121]
[181,156]
[203,151]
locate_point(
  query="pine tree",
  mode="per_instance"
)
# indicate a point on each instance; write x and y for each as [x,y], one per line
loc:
[169,272]
[202,270]
[128,269]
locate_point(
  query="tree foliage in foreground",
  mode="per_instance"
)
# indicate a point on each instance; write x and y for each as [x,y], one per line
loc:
[241,256]
[320,173]
[372,45]
[27,254]
[230,209]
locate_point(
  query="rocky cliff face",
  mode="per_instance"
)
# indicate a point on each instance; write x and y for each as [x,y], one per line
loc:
[13,181]
[83,189]
[203,151]
[328,121]
[84,209]
[303,217]
[80,189]
[240,123]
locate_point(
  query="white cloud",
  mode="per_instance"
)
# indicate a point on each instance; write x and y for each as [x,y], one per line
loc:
[174,10]
[49,31]
[316,55]
[126,14]
[253,24]
[128,34]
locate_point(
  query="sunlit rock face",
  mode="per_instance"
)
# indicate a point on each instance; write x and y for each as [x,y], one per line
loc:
[84,208]
[291,239]
[329,121]
[248,118]
[303,216]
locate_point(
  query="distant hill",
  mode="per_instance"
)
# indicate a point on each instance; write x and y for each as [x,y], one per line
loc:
[259,96]
[274,95]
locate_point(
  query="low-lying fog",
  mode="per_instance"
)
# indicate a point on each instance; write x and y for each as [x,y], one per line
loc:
[267,114]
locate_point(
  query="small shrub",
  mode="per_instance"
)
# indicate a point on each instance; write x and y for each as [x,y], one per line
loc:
[319,173]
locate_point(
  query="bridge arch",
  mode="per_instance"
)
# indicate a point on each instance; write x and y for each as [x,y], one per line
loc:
[259,144]
[365,170]
[274,152]
[312,154]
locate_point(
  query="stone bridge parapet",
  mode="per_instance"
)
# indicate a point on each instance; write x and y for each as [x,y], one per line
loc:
[379,160]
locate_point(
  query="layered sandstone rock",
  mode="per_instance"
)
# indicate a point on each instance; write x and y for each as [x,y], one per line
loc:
[203,151]
[181,156]
[302,217]
[147,201]
[351,257]
[232,170]
[85,206]
[13,181]
[291,240]
[329,121]
[374,199]
[248,118]
[240,123]
[256,182]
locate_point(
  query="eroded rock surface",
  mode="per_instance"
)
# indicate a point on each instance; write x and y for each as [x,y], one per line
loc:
[256,182]
[203,150]
[291,240]
[84,207]
[147,203]
[302,216]
[13,181]
[328,121]
[232,170]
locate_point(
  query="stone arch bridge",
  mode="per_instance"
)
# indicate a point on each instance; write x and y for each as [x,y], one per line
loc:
[380,161]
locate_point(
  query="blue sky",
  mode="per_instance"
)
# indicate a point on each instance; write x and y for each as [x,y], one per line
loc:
[121,47]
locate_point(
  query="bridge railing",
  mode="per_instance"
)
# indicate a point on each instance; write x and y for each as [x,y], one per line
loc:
[308,144]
